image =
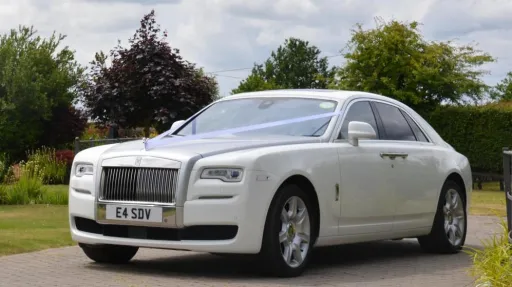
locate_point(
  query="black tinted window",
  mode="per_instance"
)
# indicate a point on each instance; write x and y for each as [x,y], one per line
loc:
[361,112]
[395,124]
[417,131]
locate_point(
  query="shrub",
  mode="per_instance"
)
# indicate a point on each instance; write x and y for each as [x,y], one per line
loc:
[479,132]
[65,156]
[54,198]
[43,163]
[30,190]
[136,133]
[3,194]
[492,265]
[26,190]
[94,132]
[13,174]
[4,166]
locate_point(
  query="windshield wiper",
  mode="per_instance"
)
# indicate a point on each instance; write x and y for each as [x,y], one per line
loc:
[317,130]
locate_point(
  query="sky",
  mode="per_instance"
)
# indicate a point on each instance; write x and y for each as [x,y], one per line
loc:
[226,37]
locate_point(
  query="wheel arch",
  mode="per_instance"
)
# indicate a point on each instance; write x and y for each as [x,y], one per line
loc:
[307,186]
[457,178]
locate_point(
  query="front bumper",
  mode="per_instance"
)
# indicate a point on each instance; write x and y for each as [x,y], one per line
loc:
[216,217]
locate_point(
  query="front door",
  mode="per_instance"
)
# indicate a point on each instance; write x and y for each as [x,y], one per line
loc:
[367,196]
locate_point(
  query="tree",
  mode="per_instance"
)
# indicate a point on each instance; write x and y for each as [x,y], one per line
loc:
[503,90]
[147,84]
[255,82]
[66,123]
[35,78]
[295,65]
[393,59]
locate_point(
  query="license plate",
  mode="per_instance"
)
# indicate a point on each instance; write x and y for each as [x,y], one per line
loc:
[134,213]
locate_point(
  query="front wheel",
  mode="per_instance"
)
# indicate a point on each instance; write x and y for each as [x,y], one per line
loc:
[450,223]
[114,254]
[288,236]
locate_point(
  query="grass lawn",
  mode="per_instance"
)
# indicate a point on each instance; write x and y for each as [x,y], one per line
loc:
[488,201]
[57,188]
[35,227]
[26,228]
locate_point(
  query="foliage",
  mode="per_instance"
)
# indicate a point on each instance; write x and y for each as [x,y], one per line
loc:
[44,164]
[65,125]
[31,190]
[503,90]
[136,133]
[254,83]
[295,65]
[147,84]
[27,190]
[65,156]
[3,194]
[4,166]
[54,196]
[94,132]
[395,60]
[492,265]
[35,77]
[478,132]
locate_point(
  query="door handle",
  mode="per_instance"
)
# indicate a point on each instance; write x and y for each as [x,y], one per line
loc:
[393,155]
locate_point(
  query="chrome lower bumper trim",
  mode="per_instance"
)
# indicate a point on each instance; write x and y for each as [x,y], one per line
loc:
[168,215]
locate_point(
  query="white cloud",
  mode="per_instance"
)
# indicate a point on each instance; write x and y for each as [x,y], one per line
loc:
[230,34]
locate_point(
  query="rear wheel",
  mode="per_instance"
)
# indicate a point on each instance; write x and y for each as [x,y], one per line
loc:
[288,236]
[115,254]
[450,223]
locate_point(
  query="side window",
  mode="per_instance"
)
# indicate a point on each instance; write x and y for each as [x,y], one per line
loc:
[361,112]
[395,124]
[417,131]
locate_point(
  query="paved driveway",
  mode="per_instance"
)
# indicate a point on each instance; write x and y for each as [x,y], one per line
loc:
[388,263]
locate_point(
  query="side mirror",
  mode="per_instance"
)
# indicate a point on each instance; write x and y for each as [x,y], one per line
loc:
[176,125]
[360,130]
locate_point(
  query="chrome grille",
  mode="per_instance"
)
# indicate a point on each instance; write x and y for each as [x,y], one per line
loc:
[138,184]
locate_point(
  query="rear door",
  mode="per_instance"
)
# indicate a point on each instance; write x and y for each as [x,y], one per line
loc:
[414,176]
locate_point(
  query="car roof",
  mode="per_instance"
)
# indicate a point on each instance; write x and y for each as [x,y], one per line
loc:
[338,95]
[313,93]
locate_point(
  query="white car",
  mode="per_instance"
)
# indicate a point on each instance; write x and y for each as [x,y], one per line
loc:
[325,168]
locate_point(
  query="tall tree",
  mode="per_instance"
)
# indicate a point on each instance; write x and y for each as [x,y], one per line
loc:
[294,65]
[147,84]
[503,90]
[395,60]
[36,77]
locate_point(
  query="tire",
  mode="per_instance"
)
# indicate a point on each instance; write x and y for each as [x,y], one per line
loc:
[112,254]
[275,247]
[439,240]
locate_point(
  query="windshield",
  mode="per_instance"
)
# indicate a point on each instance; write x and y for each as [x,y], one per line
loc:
[247,112]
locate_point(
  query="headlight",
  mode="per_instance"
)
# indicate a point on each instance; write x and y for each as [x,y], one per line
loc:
[224,174]
[84,169]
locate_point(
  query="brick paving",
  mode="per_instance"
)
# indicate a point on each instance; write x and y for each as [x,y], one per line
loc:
[387,263]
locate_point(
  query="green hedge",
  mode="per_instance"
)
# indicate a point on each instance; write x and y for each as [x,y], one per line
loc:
[478,132]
